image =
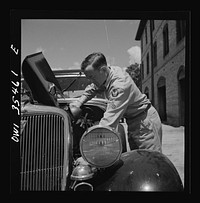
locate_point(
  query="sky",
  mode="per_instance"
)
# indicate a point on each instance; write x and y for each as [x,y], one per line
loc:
[65,43]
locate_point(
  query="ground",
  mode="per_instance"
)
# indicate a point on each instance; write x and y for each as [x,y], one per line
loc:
[173,147]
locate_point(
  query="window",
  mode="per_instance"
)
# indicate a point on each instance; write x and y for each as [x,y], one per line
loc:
[155,54]
[180,30]
[142,70]
[165,40]
[153,25]
[147,63]
[146,34]
[141,44]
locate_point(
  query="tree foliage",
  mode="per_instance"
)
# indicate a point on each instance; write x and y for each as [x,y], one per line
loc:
[135,73]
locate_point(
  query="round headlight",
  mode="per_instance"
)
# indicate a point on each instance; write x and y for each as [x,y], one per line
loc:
[100,146]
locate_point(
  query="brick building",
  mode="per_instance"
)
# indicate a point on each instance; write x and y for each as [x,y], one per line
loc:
[163,67]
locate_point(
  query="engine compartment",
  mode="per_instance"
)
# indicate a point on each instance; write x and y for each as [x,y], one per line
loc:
[90,116]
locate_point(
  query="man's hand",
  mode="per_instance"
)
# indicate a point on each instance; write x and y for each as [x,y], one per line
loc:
[81,161]
[75,109]
[76,104]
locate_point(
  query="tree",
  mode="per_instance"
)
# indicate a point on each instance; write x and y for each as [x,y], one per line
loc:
[135,73]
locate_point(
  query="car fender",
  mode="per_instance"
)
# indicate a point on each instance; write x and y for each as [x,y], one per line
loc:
[143,170]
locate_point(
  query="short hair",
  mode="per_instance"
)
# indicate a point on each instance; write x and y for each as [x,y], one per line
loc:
[97,60]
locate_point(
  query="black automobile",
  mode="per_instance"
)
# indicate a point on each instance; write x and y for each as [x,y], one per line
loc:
[53,139]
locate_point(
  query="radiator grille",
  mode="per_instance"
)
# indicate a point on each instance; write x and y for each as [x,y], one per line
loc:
[42,152]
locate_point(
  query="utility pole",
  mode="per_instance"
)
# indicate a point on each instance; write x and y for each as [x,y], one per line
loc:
[152,62]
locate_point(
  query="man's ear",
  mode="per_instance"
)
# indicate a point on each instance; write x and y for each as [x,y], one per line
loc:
[103,68]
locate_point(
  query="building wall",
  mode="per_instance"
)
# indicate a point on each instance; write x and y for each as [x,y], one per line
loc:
[170,72]
[167,67]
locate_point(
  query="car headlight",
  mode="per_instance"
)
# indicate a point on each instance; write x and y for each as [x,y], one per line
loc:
[100,146]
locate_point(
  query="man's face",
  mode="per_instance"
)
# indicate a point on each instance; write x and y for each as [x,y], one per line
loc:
[95,76]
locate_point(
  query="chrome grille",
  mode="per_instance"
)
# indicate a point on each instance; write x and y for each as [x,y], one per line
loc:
[42,152]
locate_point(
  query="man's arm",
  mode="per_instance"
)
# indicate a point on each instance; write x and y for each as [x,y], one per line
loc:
[118,102]
[90,92]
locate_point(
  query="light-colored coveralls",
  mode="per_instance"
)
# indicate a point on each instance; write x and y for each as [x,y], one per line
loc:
[125,99]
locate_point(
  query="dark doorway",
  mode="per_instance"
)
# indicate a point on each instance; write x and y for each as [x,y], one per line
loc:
[146,91]
[161,85]
[181,94]
[162,103]
[182,101]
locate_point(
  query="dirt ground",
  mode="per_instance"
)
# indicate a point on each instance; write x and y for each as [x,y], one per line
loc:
[173,147]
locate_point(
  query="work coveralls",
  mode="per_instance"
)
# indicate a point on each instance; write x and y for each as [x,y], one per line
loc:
[125,99]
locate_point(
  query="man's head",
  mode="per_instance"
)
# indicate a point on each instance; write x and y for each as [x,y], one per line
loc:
[94,67]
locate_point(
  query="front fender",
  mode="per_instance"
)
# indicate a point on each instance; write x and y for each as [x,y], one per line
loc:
[143,170]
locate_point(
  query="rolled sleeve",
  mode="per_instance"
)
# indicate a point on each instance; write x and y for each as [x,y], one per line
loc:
[89,93]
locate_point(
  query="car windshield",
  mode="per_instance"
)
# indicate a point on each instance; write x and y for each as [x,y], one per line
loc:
[72,83]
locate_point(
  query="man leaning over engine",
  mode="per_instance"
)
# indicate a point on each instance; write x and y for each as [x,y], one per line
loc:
[124,100]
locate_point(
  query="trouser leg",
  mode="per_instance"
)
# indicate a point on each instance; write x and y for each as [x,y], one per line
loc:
[145,132]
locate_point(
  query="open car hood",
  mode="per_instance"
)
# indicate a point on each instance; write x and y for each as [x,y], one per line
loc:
[39,77]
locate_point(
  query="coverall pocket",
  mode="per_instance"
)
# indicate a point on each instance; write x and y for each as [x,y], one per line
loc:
[144,133]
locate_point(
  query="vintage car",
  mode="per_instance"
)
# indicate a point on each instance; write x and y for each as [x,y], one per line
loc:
[53,138]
